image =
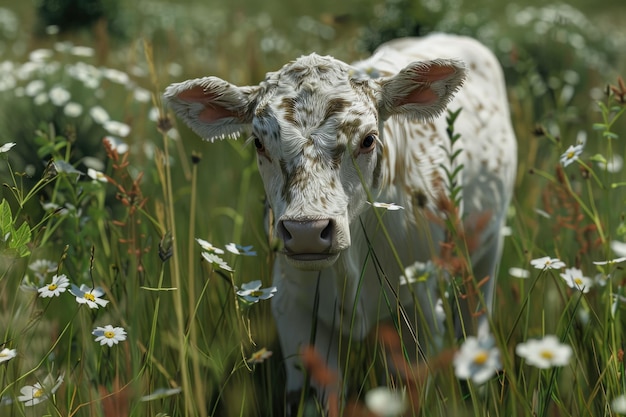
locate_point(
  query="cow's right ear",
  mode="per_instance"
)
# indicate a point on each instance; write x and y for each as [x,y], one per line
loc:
[212,107]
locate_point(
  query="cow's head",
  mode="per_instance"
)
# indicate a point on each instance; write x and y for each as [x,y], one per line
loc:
[316,125]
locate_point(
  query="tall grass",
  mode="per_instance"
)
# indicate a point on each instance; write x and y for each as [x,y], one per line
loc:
[191,338]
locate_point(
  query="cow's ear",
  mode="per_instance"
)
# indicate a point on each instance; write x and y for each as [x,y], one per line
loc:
[422,90]
[212,107]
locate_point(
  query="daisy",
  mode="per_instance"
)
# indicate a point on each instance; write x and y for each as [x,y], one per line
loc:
[117,144]
[109,335]
[40,392]
[575,279]
[96,175]
[547,263]
[619,404]
[383,401]
[478,359]
[7,147]
[59,96]
[99,115]
[73,109]
[208,246]
[7,354]
[89,296]
[240,250]
[611,261]
[571,154]
[58,285]
[116,128]
[259,356]
[214,259]
[252,292]
[519,272]
[417,272]
[544,353]
[388,206]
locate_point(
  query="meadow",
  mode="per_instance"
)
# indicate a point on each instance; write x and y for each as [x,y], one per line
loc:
[135,271]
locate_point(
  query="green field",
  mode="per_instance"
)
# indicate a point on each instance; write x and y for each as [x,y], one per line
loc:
[189,336]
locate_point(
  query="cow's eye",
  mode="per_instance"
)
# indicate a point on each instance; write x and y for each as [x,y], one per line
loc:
[368,143]
[259,145]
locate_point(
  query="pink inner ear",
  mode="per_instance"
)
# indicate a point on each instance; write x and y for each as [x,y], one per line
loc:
[211,114]
[196,94]
[422,95]
[437,72]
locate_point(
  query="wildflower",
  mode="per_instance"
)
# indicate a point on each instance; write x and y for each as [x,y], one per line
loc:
[89,296]
[252,292]
[142,95]
[240,250]
[96,175]
[117,144]
[82,51]
[519,272]
[613,165]
[544,353]
[34,87]
[417,272]
[99,115]
[388,206]
[618,405]
[42,267]
[59,95]
[7,147]
[571,154]
[40,99]
[575,279]
[40,392]
[209,247]
[161,393]
[7,354]
[73,109]
[386,402]
[618,247]
[478,359]
[611,261]
[259,356]
[116,128]
[40,55]
[58,285]
[109,335]
[547,263]
[214,259]
[116,76]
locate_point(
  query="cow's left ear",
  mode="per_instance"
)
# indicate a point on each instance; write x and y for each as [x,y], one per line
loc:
[212,107]
[422,90]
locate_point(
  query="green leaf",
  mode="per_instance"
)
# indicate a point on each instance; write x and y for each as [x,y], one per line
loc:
[20,240]
[6,218]
[599,126]
[598,158]
[610,135]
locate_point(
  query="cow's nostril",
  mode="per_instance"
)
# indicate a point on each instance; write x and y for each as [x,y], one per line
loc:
[306,236]
[327,233]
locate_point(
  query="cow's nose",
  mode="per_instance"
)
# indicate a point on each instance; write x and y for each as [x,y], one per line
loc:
[308,236]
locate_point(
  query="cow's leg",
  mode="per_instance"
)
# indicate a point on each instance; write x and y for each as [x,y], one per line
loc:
[294,309]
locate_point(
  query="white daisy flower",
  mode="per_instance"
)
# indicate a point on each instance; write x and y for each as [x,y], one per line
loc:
[41,391]
[209,247]
[544,353]
[59,96]
[73,109]
[116,128]
[7,147]
[99,115]
[109,335]
[240,250]
[571,154]
[58,285]
[96,175]
[89,296]
[547,263]
[252,292]
[386,402]
[478,359]
[214,259]
[519,272]
[7,354]
[575,279]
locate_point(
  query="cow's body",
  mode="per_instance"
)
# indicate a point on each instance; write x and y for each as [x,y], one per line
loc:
[310,122]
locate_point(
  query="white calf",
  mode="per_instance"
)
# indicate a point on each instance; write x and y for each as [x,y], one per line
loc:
[332,137]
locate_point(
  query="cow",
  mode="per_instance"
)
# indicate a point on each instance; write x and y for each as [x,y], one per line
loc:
[334,139]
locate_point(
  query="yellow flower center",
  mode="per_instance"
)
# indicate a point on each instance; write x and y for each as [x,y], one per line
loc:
[90,297]
[52,287]
[547,354]
[256,293]
[3,355]
[481,357]
[570,155]
[109,334]
[37,393]
[578,281]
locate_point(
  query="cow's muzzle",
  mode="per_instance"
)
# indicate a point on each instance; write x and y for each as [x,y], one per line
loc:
[308,244]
